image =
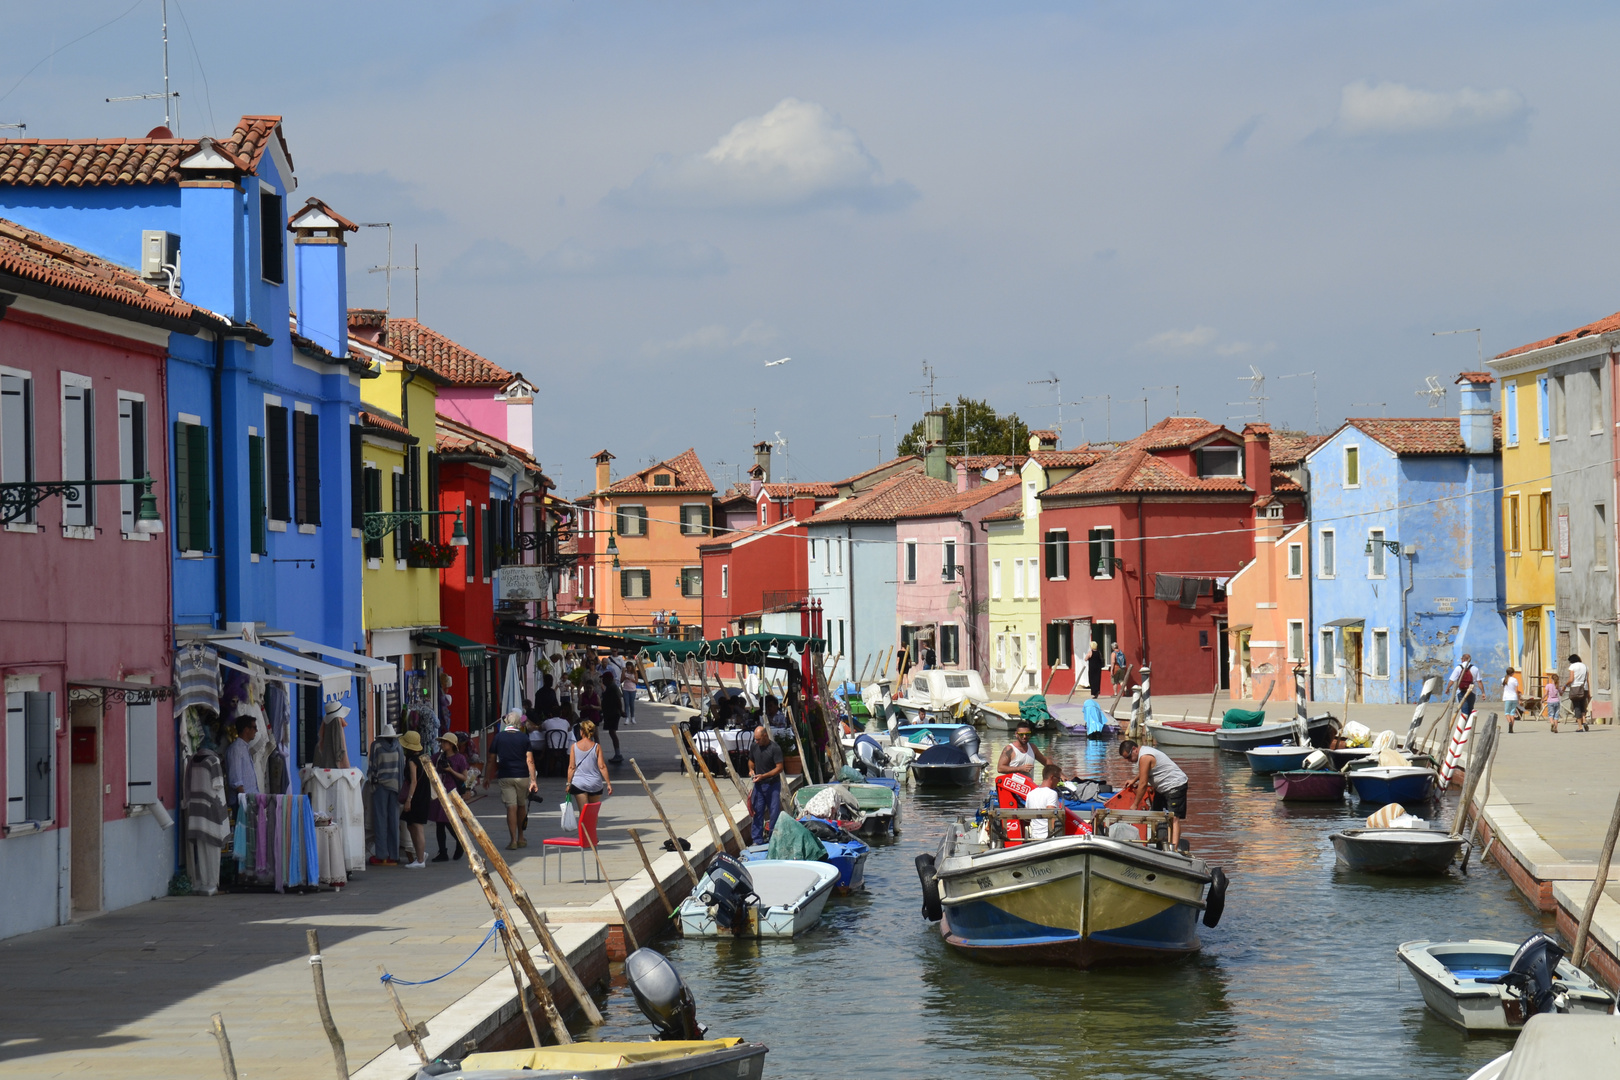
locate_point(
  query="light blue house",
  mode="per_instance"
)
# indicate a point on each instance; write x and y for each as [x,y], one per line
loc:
[265,520]
[1406,535]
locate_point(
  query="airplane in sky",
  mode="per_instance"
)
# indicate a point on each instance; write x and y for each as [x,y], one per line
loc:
[777,363]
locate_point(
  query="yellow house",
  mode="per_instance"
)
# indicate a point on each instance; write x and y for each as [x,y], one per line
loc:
[1527,514]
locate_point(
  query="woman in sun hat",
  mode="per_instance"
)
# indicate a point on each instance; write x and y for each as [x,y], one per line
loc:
[415,798]
[452,766]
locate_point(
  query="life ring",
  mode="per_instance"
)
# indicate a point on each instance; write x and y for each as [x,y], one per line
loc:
[932,910]
[1215,902]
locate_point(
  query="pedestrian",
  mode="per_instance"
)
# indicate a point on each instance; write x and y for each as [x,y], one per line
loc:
[1094,666]
[587,772]
[765,765]
[1580,695]
[385,765]
[545,699]
[452,766]
[612,710]
[1020,755]
[415,798]
[1465,678]
[590,699]
[629,679]
[514,772]
[1169,783]
[1117,668]
[1510,696]
[241,778]
[1553,703]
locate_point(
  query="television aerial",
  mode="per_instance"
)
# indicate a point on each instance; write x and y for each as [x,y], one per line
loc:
[1435,392]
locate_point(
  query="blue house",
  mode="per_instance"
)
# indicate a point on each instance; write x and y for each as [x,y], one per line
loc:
[266,519]
[1406,534]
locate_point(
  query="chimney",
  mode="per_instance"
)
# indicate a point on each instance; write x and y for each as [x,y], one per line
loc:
[962,474]
[604,471]
[1257,460]
[756,481]
[369,324]
[1043,440]
[1476,420]
[762,461]
[323,291]
[934,463]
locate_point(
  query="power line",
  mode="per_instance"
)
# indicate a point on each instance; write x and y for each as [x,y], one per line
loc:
[69,45]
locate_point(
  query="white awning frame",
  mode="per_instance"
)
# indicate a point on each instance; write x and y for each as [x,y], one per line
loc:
[335,682]
[378,672]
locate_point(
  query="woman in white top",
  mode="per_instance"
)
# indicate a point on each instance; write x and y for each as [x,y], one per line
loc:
[1510,696]
[1577,691]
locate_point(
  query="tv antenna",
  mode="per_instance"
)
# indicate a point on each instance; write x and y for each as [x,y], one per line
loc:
[894,424]
[388,268]
[753,420]
[787,459]
[1108,415]
[1056,384]
[1257,391]
[170,122]
[879,438]
[1435,392]
[927,391]
[1316,409]
[1133,401]
[1176,388]
[14,127]
[1479,340]
[1383,406]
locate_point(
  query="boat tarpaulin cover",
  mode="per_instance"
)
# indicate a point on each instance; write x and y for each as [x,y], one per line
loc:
[943,754]
[590,1056]
[1243,718]
[790,840]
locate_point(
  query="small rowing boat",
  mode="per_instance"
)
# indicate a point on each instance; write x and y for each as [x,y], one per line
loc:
[1396,851]
[1309,785]
[1480,985]
[1270,759]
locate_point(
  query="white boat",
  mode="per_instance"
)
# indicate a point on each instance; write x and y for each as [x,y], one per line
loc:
[777,898]
[1457,980]
[1560,1045]
[940,693]
[1183,733]
[1239,740]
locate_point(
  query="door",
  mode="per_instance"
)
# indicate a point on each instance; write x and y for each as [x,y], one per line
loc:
[1530,655]
[1352,661]
[1245,664]
[84,810]
[1224,651]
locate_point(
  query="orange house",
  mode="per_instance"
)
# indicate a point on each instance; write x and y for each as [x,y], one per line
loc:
[1268,605]
[658,516]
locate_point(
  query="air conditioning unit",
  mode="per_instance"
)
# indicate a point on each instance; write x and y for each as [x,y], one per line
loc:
[159,249]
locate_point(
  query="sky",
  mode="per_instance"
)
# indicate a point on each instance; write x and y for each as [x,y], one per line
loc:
[640,205]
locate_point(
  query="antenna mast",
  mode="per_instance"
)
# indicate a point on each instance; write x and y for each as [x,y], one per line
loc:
[166,122]
[1479,340]
[1316,408]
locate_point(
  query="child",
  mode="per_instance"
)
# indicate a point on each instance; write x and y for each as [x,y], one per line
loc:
[1510,696]
[1553,703]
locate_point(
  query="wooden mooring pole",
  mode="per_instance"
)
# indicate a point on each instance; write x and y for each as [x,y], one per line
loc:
[340,1057]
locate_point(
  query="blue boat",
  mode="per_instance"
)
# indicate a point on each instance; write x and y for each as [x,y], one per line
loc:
[1270,759]
[1404,784]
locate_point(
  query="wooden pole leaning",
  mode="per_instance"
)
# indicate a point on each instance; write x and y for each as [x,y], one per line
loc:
[513,965]
[1599,882]
[410,1032]
[226,1059]
[520,896]
[1482,748]
[340,1057]
[624,920]
[697,787]
[736,834]
[646,864]
[674,837]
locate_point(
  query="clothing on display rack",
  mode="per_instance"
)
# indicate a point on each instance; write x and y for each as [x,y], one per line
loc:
[208,823]
[196,677]
[337,794]
[276,779]
[275,842]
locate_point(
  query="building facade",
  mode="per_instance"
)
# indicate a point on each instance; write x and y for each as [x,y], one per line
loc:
[656,519]
[1268,605]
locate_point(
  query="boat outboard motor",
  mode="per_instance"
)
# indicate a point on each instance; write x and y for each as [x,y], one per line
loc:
[869,756]
[730,891]
[967,738]
[663,995]
[1532,975]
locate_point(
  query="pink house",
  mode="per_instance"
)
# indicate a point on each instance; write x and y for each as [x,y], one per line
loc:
[941,601]
[1269,612]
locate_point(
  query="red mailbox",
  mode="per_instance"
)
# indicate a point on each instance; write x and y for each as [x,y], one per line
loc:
[84,746]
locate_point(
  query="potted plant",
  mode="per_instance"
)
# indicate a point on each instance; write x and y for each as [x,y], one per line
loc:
[791,761]
[424,553]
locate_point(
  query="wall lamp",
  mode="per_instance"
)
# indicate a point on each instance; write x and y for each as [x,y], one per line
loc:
[1392,546]
[379,523]
[19,498]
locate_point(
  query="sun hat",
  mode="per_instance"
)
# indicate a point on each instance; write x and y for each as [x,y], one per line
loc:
[411,741]
[450,737]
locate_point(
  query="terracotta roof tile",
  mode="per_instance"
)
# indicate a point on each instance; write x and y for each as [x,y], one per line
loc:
[1077,458]
[1015,512]
[818,488]
[1602,326]
[1418,436]
[891,463]
[1289,448]
[690,478]
[1135,471]
[727,539]
[1176,433]
[1045,435]
[456,363]
[959,501]
[454,437]
[887,498]
[92,162]
[987,461]
[383,422]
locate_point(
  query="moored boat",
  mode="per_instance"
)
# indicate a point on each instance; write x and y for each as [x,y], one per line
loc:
[996,715]
[1270,759]
[1396,851]
[946,767]
[1351,755]
[1383,784]
[1480,985]
[1183,733]
[877,804]
[1309,785]
[765,898]
[1238,740]
[1558,1044]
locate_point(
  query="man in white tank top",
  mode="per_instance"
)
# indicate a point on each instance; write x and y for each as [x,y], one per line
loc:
[1169,783]
[1020,755]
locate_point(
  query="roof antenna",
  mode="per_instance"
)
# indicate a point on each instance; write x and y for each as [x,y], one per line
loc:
[1108,416]
[1257,391]
[894,424]
[1479,341]
[1383,406]
[172,123]
[1435,392]
[14,127]
[1176,388]
[388,269]
[1316,408]
[1057,389]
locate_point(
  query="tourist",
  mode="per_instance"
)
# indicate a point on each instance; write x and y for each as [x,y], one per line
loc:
[1553,703]
[1578,692]
[629,678]
[1020,755]
[587,772]
[514,772]
[765,766]
[1117,668]
[1510,696]
[384,766]
[415,797]
[1465,677]
[546,704]
[590,699]
[452,766]
[1169,783]
[612,711]
[241,779]
[1044,797]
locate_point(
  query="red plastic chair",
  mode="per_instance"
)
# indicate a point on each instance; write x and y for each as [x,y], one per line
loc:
[584,841]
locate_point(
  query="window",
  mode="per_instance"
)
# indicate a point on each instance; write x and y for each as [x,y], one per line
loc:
[950,644]
[30,757]
[1544,522]
[78,452]
[1032,662]
[762,505]
[280,449]
[191,517]
[131,460]
[813,549]
[400,539]
[1510,516]
[1560,409]
[257,539]
[1597,401]
[1033,581]
[995,579]
[694,519]
[1017,657]
[1018,579]
[725,581]
[911,560]
[1352,466]
[1001,652]
[1561,524]
[635,584]
[373,499]
[1327,663]
[140,754]
[272,227]
[1296,560]
[1100,552]
[1600,660]
[691,581]
[1059,644]
[486,526]
[1220,461]
[840,637]
[17,432]
[1296,639]
[1376,566]
[1543,413]
[469,554]
[306,469]
[1601,541]
[1380,654]
[632,520]
[357,480]
[662,479]
[1057,554]
[839,569]
[947,560]
[1326,566]
[1510,413]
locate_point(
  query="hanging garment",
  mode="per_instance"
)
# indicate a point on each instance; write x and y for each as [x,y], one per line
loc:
[338,794]
[196,677]
[275,840]
[202,866]
[206,812]
[275,774]
[1167,587]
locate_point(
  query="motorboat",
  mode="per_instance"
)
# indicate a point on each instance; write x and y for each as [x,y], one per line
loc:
[1239,740]
[997,715]
[1183,733]
[1480,985]
[1309,785]
[922,736]
[838,848]
[1086,719]
[1270,759]
[940,692]
[1559,1044]
[1351,755]
[1405,784]
[1396,851]
[765,898]
[875,807]
[875,760]
[1091,893]
[946,766]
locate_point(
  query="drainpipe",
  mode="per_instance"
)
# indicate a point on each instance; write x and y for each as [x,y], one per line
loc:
[218,392]
[973,592]
[1142,574]
[1406,630]
[849,568]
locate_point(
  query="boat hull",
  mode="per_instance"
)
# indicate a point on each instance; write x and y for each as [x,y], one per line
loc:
[745,1061]
[947,776]
[771,916]
[1182,733]
[1309,785]
[1407,786]
[1439,968]
[1395,851]
[1272,759]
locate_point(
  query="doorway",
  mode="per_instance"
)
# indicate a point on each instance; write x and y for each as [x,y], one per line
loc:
[1223,649]
[1352,661]
[1246,665]
[84,805]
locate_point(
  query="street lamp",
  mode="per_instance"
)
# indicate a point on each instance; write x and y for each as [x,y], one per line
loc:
[19,498]
[146,518]
[458,535]
[1392,546]
[379,523]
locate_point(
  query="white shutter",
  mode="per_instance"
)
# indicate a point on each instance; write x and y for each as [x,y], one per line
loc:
[126,465]
[140,735]
[16,761]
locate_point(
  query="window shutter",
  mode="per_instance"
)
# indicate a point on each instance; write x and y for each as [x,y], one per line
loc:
[400,537]
[275,431]
[182,487]
[470,552]
[39,756]
[16,760]
[1051,555]
[197,479]
[435,530]
[77,437]
[373,496]
[357,479]
[272,229]
[140,735]
[489,540]
[256,531]
[306,469]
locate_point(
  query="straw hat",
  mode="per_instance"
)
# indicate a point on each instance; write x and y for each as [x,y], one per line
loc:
[452,738]
[411,741]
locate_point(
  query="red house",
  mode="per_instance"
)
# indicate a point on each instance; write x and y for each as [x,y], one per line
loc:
[1137,550]
[764,567]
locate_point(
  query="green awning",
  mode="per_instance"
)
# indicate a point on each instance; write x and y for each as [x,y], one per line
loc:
[472,653]
[774,650]
[575,634]
[676,651]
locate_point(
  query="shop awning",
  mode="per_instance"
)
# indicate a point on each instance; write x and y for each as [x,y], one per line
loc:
[575,617]
[1355,620]
[571,634]
[472,653]
[333,681]
[380,672]
[1239,626]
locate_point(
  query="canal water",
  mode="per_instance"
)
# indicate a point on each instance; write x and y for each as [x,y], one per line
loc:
[1299,980]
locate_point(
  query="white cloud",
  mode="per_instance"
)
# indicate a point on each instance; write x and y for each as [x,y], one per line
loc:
[714,338]
[797,156]
[1179,341]
[1394,110]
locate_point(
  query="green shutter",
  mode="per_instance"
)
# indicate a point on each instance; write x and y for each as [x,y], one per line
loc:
[312,470]
[182,487]
[197,435]
[256,495]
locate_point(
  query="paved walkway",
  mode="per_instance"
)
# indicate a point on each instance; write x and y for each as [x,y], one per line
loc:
[131,991]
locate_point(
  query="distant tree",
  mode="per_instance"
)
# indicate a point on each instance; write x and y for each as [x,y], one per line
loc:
[980,427]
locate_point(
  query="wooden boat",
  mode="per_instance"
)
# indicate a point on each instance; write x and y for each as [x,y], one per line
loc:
[1404,784]
[1270,759]
[1309,785]
[879,806]
[782,898]
[1072,900]
[996,715]
[1454,978]
[1183,733]
[946,767]
[1559,1044]
[1243,739]
[709,1059]
[1396,851]
[940,693]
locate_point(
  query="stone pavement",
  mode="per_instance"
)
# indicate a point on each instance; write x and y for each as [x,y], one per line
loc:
[131,991]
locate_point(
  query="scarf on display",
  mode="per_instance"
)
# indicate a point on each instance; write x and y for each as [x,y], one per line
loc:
[274,842]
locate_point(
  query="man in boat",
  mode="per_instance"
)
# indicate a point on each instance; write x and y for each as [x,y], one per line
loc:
[1169,783]
[1020,755]
[765,766]
[1044,797]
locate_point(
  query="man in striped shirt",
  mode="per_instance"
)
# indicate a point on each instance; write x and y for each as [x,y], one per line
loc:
[386,767]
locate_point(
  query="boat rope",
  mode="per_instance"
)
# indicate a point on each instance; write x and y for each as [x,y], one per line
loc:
[397,981]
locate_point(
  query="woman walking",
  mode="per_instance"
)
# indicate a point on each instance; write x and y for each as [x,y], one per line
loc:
[587,771]
[612,710]
[1510,696]
[452,766]
[415,799]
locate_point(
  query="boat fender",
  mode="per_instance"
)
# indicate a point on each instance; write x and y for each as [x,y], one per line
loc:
[931,908]
[1215,902]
